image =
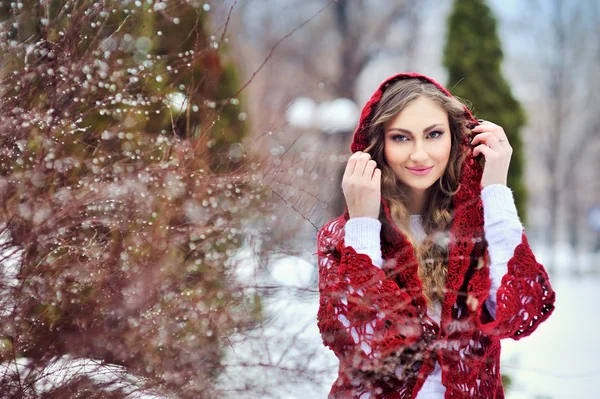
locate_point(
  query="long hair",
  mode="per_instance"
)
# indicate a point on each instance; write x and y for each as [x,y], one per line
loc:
[432,252]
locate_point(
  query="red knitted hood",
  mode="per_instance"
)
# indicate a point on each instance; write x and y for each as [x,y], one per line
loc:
[468,211]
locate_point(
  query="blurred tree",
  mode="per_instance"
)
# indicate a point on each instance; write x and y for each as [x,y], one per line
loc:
[327,46]
[473,57]
[566,78]
[125,191]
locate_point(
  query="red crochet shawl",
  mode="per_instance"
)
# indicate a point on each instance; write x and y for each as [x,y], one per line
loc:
[385,309]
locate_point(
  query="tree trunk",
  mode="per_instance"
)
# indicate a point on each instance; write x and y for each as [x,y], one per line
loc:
[573,207]
[553,223]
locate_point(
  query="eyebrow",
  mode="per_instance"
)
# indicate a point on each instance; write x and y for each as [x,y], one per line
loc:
[409,132]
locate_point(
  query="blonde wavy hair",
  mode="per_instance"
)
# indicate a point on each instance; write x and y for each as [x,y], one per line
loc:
[432,252]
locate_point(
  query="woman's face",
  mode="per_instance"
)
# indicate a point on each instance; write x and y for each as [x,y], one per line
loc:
[418,137]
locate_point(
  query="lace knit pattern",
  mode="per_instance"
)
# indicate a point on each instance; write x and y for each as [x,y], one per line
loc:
[375,319]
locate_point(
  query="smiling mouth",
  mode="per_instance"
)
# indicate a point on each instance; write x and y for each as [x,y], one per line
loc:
[420,172]
[420,169]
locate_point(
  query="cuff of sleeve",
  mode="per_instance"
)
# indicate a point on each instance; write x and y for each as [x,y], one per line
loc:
[498,203]
[363,232]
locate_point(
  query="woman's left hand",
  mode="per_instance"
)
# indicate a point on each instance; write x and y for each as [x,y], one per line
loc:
[496,149]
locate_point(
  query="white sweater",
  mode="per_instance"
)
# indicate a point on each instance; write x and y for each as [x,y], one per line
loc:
[503,230]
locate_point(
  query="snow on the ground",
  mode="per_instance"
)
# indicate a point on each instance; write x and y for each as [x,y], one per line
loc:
[64,370]
[557,361]
[283,358]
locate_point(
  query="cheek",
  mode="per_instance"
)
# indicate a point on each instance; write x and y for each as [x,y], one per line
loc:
[393,155]
[388,155]
[443,153]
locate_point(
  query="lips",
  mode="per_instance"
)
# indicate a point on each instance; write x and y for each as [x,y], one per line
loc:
[420,169]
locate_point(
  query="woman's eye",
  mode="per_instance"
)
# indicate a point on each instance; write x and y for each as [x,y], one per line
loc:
[400,137]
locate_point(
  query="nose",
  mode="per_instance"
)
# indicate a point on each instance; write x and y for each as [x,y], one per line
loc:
[418,155]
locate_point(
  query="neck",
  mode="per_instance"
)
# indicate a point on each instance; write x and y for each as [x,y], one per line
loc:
[417,200]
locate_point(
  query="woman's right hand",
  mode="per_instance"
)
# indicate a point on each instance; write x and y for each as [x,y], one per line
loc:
[362,186]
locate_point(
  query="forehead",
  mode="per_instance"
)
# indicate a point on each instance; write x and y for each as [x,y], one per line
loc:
[420,112]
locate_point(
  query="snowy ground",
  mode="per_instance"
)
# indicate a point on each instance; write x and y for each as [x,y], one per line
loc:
[557,361]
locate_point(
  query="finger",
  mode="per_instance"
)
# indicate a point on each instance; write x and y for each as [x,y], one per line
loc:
[351,165]
[500,136]
[478,128]
[371,165]
[487,126]
[490,124]
[482,149]
[361,163]
[377,177]
[349,169]
[480,123]
[488,138]
[483,122]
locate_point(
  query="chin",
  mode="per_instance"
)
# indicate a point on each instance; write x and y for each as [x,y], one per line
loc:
[418,184]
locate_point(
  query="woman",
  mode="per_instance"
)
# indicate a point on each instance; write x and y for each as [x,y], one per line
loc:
[426,270]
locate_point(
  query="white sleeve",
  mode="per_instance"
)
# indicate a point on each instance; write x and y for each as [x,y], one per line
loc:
[503,232]
[362,234]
